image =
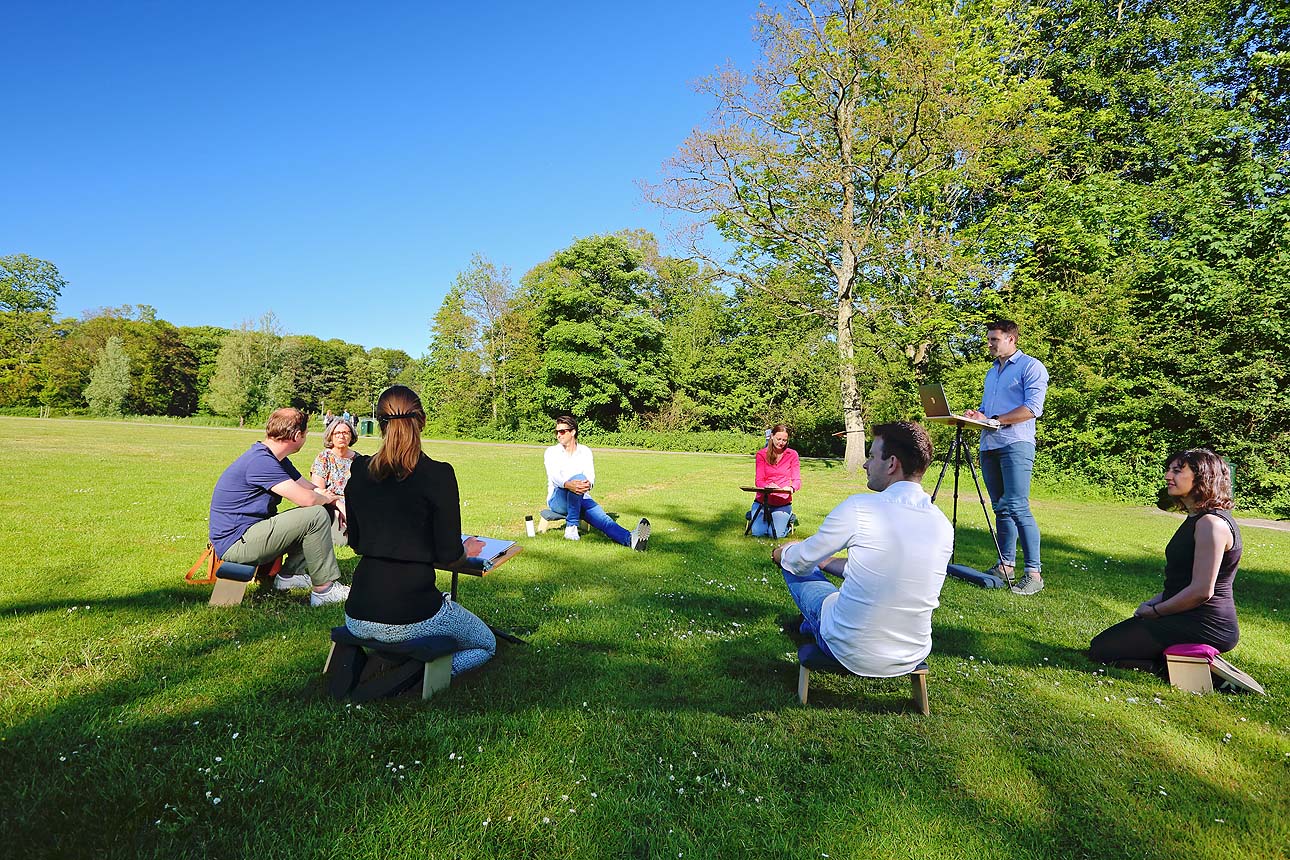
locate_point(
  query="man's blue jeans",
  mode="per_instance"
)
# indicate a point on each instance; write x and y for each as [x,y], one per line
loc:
[577,508]
[1006,472]
[809,593]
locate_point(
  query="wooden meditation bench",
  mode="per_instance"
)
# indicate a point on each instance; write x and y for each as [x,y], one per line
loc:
[810,657]
[365,669]
[1193,668]
[230,578]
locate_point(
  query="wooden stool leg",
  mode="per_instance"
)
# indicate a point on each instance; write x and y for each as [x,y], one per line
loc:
[227,592]
[918,681]
[344,666]
[803,682]
[437,677]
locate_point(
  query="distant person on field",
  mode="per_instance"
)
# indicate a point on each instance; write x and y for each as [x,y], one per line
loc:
[570,475]
[330,470]
[879,623]
[245,526]
[1015,386]
[777,466]
[347,418]
[404,519]
[1195,605]
[327,419]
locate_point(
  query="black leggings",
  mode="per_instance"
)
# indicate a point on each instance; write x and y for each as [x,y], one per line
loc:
[1139,643]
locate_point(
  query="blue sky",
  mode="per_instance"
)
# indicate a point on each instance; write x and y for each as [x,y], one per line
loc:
[337,164]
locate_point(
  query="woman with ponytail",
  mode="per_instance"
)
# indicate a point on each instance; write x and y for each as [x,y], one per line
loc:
[404,516]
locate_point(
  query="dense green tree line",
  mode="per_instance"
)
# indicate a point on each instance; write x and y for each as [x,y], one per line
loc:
[125,360]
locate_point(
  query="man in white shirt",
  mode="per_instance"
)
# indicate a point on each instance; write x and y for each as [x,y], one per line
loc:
[570,475]
[879,623]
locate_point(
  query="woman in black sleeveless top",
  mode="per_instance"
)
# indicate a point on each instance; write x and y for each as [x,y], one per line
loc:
[1195,605]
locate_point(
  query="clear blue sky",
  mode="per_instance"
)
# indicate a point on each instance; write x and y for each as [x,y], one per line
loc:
[335,163]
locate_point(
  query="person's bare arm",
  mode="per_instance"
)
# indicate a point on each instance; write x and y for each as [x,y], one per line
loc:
[302,493]
[1213,537]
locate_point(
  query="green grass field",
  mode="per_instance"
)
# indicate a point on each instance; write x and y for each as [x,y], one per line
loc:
[652,714]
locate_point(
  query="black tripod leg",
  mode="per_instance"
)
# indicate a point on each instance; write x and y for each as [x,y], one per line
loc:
[958,463]
[1007,577]
[949,456]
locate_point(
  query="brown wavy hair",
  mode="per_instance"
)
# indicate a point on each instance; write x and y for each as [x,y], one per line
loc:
[402,418]
[1212,490]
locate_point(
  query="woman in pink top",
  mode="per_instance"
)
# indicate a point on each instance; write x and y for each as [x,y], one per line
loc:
[777,466]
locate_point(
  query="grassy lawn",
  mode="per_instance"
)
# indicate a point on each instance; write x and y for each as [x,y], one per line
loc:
[652,714]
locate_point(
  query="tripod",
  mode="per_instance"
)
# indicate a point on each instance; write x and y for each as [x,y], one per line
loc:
[959,454]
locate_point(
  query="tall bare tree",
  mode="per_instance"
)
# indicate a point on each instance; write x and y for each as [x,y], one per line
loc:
[854,155]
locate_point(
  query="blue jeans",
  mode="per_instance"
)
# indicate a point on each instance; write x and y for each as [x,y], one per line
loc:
[809,593]
[1006,472]
[778,517]
[576,508]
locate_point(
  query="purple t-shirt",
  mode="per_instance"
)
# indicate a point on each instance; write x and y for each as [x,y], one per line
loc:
[242,498]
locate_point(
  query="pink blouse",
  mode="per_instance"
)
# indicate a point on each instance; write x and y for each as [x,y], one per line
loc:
[785,473]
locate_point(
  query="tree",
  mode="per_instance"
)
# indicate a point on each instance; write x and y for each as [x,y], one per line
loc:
[855,154]
[29,291]
[602,353]
[110,380]
[247,362]
[487,291]
[454,383]
[29,285]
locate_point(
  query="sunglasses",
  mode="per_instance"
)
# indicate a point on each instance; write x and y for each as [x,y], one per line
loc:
[560,431]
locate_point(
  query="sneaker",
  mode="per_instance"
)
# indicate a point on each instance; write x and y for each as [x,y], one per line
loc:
[640,535]
[282,582]
[571,533]
[336,594]
[1030,583]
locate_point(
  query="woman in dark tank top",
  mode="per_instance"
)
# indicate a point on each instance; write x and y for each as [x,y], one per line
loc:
[1195,605]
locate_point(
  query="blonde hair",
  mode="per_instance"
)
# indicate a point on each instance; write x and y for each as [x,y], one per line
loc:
[402,418]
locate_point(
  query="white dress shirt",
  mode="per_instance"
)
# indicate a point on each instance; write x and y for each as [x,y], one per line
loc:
[898,543]
[561,466]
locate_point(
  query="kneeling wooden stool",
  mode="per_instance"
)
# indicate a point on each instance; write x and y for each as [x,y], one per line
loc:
[229,578]
[366,669]
[811,657]
[1192,667]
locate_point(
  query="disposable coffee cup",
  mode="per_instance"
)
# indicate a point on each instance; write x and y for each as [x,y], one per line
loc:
[528,526]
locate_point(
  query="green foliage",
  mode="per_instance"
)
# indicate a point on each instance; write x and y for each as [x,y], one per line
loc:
[248,362]
[602,351]
[29,285]
[110,380]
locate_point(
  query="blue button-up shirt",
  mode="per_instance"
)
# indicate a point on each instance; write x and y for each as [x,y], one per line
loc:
[1022,380]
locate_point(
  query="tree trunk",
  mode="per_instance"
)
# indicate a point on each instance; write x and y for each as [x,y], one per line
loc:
[852,413]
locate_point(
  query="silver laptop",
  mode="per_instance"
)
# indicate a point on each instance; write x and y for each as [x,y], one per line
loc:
[937,408]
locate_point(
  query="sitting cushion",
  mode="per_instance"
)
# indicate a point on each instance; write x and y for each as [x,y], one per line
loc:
[812,656]
[233,570]
[423,648]
[1202,652]
[548,514]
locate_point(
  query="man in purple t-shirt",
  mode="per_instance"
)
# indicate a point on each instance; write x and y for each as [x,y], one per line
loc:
[245,526]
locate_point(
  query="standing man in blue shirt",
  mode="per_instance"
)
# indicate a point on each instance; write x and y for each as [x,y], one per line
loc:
[1015,386]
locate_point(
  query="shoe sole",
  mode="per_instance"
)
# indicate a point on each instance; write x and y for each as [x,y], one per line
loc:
[640,539]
